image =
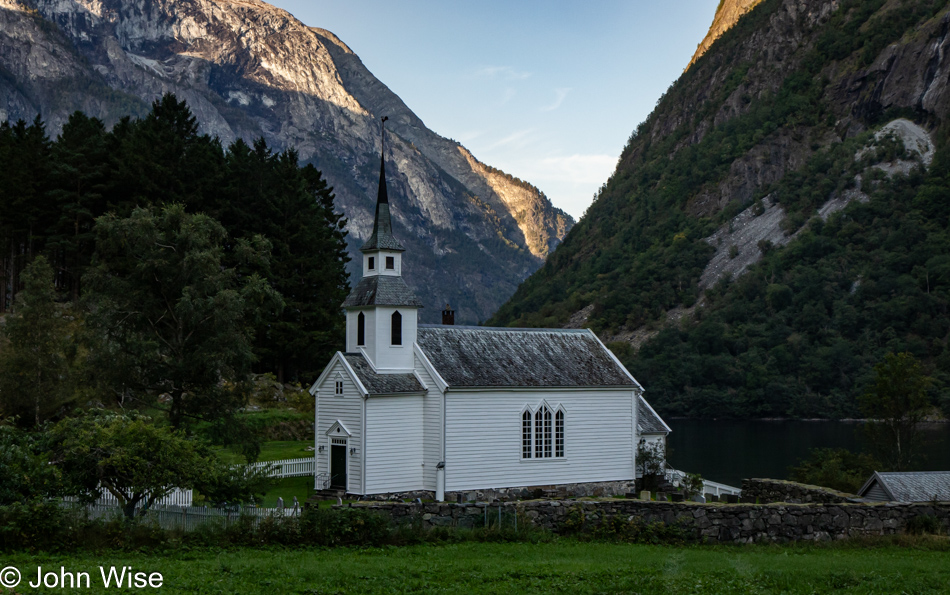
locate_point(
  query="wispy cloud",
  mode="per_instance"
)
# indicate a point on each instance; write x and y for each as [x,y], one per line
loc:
[516,140]
[506,72]
[507,96]
[559,95]
[585,169]
[468,136]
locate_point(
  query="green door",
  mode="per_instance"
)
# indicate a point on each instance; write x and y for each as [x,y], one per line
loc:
[338,466]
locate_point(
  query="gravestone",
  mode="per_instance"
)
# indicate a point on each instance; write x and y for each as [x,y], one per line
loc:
[645,495]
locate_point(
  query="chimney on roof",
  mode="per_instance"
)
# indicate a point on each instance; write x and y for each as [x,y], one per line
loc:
[448,316]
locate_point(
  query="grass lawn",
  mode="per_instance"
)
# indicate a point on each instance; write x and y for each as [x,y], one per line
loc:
[272,451]
[287,488]
[564,566]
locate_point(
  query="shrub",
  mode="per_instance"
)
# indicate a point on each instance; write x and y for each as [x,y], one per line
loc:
[924,524]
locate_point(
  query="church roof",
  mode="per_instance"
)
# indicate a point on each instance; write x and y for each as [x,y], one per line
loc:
[382,384]
[648,422]
[910,486]
[381,290]
[382,236]
[505,357]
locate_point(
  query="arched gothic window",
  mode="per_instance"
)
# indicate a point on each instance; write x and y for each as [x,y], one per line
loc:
[547,433]
[538,434]
[361,329]
[397,329]
[526,435]
[542,433]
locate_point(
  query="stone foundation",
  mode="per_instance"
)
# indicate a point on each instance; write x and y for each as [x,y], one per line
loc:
[720,523]
[571,490]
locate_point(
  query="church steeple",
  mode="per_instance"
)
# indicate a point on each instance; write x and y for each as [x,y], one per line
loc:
[382,237]
[381,311]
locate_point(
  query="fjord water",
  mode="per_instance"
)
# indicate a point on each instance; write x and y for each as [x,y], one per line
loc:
[729,450]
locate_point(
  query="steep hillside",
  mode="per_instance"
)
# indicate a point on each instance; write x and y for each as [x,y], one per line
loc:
[774,122]
[248,69]
[727,14]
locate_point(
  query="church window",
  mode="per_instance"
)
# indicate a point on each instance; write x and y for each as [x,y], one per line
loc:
[526,435]
[538,437]
[372,263]
[361,329]
[397,329]
[338,389]
[559,433]
[390,263]
[547,432]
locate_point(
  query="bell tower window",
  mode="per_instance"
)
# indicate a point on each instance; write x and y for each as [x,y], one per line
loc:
[371,263]
[390,263]
[397,329]
[361,329]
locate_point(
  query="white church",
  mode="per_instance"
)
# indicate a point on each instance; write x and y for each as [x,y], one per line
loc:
[411,408]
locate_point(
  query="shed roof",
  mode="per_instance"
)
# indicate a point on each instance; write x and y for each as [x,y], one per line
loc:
[648,422]
[382,290]
[505,357]
[382,384]
[911,486]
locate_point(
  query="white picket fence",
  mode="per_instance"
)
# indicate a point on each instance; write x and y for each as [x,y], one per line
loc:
[177,497]
[289,467]
[675,477]
[189,518]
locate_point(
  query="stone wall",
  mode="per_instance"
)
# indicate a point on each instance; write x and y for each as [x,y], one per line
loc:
[571,490]
[732,523]
[764,491]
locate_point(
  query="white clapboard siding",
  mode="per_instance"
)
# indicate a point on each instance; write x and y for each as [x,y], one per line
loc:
[348,410]
[394,443]
[432,428]
[483,439]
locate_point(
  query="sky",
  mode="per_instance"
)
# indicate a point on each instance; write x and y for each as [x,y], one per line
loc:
[546,90]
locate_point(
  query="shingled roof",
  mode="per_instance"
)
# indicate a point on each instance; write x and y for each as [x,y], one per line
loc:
[907,486]
[382,384]
[382,290]
[499,357]
[648,422]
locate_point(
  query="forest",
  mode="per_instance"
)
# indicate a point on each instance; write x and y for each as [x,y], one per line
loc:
[149,268]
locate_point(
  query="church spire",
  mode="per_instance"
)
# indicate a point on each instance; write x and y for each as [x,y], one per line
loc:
[382,237]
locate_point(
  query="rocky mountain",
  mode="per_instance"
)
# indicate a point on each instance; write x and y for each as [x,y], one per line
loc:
[775,226]
[727,15]
[249,70]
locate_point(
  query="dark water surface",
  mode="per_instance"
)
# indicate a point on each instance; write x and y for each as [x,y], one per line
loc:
[729,450]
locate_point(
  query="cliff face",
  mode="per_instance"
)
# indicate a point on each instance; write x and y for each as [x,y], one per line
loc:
[788,80]
[248,69]
[727,14]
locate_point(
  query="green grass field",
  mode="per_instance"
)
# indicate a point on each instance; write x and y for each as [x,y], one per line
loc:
[564,566]
[287,488]
[272,451]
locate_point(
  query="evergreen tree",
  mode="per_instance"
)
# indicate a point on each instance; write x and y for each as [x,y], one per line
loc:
[79,176]
[35,358]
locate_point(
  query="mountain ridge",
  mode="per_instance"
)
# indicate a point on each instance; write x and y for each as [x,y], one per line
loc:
[248,70]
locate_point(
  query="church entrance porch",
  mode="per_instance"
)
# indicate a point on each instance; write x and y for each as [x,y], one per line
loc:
[338,463]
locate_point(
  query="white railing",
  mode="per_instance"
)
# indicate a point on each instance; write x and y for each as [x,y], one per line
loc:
[188,518]
[676,477]
[177,497]
[289,467]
